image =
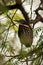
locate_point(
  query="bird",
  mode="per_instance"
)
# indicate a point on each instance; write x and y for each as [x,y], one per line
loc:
[25,33]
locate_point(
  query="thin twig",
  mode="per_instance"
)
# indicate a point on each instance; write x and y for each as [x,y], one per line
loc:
[10,58]
[4,41]
[31,8]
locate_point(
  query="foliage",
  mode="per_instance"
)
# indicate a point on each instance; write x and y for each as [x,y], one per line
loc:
[10,53]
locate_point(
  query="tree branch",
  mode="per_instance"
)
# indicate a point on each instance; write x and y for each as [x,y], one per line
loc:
[21,8]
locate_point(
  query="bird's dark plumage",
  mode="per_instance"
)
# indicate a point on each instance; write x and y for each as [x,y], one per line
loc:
[25,34]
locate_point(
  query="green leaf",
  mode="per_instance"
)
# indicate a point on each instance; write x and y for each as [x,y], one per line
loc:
[11,49]
[18,16]
[15,28]
[3,9]
[23,54]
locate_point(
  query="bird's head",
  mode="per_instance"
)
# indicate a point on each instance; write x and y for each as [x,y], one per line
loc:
[23,22]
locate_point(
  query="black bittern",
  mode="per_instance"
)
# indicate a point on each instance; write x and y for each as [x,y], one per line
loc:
[25,33]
